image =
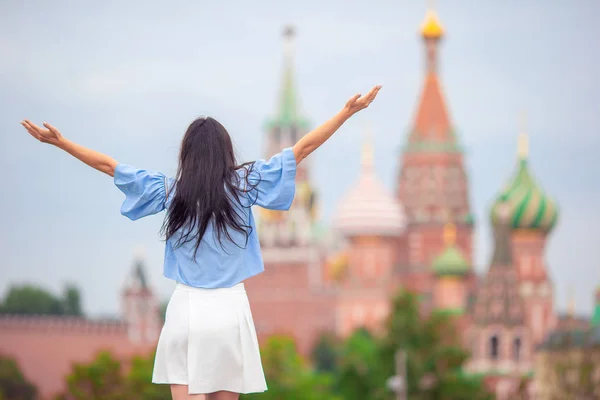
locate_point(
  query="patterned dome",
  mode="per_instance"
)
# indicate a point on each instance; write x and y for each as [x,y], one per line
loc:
[368,208]
[530,207]
[451,261]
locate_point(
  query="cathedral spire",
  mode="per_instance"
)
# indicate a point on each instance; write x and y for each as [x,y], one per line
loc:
[432,130]
[432,32]
[284,129]
[288,114]
[287,102]
[571,304]
[367,151]
[523,149]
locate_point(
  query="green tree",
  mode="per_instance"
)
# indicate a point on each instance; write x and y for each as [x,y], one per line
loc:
[434,353]
[102,379]
[360,374]
[325,355]
[29,299]
[13,385]
[106,379]
[72,301]
[139,381]
[288,376]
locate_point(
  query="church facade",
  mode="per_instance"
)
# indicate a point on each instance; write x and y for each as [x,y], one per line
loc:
[417,236]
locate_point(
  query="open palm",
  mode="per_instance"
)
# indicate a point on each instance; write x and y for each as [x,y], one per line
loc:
[358,102]
[49,134]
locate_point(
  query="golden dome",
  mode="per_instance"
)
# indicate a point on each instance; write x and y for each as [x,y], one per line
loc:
[431,28]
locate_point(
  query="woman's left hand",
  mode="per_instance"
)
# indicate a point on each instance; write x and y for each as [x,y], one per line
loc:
[49,134]
[358,102]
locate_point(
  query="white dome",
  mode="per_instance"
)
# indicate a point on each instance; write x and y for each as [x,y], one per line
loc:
[368,208]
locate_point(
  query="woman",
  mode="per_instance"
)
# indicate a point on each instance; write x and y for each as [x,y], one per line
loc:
[208,347]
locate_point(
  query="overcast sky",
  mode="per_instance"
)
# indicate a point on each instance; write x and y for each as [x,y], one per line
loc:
[127,77]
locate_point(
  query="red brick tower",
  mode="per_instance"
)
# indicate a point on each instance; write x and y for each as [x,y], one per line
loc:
[432,183]
[372,221]
[140,307]
[533,215]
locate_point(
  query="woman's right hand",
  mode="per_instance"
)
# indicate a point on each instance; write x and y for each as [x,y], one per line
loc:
[49,134]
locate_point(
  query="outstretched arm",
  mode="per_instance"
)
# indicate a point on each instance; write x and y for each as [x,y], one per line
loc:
[315,138]
[51,135]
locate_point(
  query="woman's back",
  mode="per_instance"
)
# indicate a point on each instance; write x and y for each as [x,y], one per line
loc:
[216,261]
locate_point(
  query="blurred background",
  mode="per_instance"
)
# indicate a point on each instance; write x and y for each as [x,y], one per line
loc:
[483,105]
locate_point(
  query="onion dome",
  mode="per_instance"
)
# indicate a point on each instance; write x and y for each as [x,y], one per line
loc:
[368,208]
[431,28]
[530,207]
[451,261]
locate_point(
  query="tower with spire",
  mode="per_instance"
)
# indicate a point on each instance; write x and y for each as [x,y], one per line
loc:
[432,182]
[140,306]
[294,227]
[532,216]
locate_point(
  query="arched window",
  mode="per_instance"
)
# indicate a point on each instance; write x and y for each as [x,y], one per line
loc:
[517,348]
[494,347]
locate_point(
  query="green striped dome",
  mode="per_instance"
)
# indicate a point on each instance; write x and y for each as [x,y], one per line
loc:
[450,262]
[596,316]
[530,207]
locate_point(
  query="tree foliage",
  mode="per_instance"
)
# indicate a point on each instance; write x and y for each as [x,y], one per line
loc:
[325,354]
[106,379]
[360,373]
[434,358]
[28,299]
[288,375]
[13,384]
[434,353]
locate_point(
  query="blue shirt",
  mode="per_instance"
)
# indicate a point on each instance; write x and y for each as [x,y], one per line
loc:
[216,264]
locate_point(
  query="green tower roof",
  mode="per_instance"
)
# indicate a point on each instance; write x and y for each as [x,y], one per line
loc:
[288,114]
[451,261]
[596,316]
[530,207]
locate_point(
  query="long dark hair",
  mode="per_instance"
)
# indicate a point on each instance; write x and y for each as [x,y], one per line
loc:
[209,186]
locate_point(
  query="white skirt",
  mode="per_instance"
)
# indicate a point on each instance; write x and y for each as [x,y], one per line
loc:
[209,342]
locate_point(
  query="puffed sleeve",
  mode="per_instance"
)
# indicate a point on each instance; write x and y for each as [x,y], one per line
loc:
[273,181]
[145,191]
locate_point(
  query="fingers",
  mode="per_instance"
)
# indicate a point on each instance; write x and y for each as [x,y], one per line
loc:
[369,97]
[354,98]
[27,125]
[373,92]
[33,126]
[51,128]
